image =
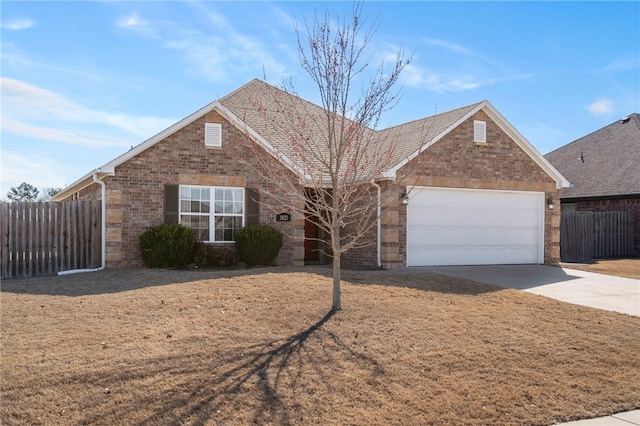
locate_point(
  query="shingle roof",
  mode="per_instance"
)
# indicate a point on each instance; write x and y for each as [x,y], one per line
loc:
[261,110]
[603,163]
[261,107]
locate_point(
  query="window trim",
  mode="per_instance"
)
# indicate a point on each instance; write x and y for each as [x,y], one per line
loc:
[212,215]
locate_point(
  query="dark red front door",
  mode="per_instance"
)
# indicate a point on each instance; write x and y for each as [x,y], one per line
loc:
[310,237]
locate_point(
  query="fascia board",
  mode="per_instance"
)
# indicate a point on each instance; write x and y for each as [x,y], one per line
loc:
[391,173]
[521,141]
[257,138]
[111,165]
[109,168]
[534,154]
[79,184]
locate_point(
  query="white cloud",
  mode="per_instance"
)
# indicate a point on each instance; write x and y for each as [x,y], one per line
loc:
[415,76]
[33,169]
[620,66]
[220,52]
[601,106]
[71,136]
[17,24]
[449,46]
[62,120]
[480,71]
[138,25]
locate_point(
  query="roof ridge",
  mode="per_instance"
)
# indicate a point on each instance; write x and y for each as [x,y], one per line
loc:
[432,116]
[635,116]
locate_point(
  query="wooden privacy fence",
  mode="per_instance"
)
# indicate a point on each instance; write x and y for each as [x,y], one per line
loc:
[45,238]
[585,236]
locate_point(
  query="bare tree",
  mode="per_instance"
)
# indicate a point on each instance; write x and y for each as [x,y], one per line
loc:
[334,152]
[48,193]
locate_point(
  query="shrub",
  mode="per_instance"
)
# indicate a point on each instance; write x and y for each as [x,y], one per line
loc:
[258,244]
[167,246]
[212,256]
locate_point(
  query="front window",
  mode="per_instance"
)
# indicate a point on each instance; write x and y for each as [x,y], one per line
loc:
[216,224]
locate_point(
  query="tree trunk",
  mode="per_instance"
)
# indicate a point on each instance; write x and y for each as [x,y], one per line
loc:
[337,304]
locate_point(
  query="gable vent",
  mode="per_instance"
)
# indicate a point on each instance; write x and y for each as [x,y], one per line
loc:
[213,135]
[479,131]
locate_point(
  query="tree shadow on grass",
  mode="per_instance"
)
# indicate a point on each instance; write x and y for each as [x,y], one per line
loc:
[126,279]
[118,280]
[275,382]
[426,281]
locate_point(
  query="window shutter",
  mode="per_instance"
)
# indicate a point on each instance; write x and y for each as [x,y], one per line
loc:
[479,131]
[171,203]
[252,209]
[213,134]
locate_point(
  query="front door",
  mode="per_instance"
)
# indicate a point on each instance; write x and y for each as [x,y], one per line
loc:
[310,237]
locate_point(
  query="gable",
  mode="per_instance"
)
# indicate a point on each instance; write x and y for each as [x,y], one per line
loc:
[242,111]
[457,155]
[451,123]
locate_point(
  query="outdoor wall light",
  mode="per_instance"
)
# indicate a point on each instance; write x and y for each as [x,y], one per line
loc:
[550,203]
[404,199]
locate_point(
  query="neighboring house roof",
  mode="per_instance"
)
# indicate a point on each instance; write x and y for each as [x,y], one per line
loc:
[257,107]
[605,163]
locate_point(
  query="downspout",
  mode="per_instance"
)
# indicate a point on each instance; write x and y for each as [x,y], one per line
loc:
[103,226]
[379,225]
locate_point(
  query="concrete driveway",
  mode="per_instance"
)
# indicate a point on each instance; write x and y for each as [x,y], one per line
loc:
[568,285]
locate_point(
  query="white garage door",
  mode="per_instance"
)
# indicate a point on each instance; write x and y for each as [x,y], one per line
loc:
[474,227]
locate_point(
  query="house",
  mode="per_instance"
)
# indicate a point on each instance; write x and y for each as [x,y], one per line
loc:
[603,168]
[477,191]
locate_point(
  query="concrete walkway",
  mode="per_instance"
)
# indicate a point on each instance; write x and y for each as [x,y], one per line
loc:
[568,285]
[621,419]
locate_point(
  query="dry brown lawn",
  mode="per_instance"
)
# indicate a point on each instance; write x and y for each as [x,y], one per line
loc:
[142,347]
[629,268]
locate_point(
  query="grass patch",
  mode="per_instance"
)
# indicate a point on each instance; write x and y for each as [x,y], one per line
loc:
[628,268]
[258,346]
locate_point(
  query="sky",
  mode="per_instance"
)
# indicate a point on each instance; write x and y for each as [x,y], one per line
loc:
[83,82]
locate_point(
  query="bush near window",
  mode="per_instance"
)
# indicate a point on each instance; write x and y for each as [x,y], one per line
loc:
[212,256]
[258,244]
[167,246]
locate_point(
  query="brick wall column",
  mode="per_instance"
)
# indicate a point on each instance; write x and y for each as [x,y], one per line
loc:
[114,226]
[298,233]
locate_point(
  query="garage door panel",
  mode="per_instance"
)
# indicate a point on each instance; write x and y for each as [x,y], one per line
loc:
[452,226]
[473,236]
[473,215]
[471,256]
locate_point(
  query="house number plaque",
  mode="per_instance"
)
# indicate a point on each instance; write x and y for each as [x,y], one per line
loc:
[283,217]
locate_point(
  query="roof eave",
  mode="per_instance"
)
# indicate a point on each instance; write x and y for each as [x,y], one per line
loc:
[534,154]
[500,120]
[257,138]
[109,168]
[82,183]
[391,173]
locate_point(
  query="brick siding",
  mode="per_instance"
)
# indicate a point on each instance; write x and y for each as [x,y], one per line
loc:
[135,195]
[457,162]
